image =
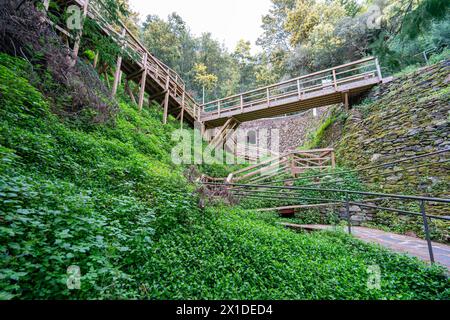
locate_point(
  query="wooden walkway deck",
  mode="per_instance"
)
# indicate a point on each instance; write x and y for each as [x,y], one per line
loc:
[332,86]
[138,65]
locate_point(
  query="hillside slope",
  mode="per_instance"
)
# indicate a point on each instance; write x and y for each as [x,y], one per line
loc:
[106,198]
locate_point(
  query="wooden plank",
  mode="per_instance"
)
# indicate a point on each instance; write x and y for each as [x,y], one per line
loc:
[130,93]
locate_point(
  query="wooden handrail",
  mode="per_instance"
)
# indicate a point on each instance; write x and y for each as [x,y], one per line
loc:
[176,82]
[292,162]
[294,79]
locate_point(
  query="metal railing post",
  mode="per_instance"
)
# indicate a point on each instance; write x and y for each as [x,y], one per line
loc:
[427,230]
[347,210]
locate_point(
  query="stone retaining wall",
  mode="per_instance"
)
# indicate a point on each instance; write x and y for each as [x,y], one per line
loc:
[407,117]
[293,130]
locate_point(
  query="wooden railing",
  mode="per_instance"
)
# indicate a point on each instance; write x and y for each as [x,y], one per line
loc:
[298,88]
[253,153]
[135,51]
[289,164]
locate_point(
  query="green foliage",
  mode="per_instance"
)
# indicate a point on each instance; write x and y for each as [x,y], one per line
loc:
[419,20]
[96,199]
[237,255]
[108,199]
[315,139]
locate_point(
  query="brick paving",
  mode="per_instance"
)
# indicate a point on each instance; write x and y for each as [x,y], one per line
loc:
[398,243]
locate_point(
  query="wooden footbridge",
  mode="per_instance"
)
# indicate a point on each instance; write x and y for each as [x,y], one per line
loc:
[336,85]
[156,81]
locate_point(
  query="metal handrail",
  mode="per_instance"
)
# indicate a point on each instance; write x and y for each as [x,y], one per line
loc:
[293,197]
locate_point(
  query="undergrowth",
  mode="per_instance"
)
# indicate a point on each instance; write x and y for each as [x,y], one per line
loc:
[108,199]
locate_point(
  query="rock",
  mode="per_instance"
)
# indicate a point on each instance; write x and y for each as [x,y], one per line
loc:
[355,209]
[375,157]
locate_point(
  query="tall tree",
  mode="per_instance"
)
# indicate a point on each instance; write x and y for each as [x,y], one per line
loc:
[275,36]
[246,63]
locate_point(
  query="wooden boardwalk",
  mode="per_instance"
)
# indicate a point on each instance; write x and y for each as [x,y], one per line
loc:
[138,65]
[157,82]
[341,84]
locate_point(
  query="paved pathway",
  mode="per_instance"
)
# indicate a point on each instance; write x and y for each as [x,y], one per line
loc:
[399,243]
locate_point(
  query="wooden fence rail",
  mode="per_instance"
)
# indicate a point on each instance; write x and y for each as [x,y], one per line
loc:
[291,164]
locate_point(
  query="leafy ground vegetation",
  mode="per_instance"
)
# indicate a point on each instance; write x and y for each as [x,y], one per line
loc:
[107,198]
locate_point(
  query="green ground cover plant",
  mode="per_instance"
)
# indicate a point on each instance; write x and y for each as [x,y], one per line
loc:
[107,198]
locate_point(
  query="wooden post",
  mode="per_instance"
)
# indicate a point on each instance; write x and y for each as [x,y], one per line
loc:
[76,46]
[335,80]
[143,82]
[299,90]
[268,97]
[333,159]
[183,100]
[242,103]
[292,164]
[96,59]
[130,93]
[166,100]
[118,69]
[219,108]
[195,111]
[346,102]
[203,130]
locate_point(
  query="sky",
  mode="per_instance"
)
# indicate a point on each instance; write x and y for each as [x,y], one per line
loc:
[227,20]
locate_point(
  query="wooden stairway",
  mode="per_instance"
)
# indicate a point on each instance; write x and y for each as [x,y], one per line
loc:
[226,132]
[158,82]
[136,64]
